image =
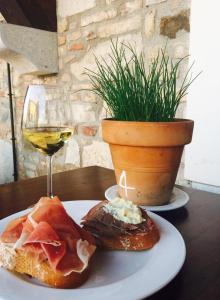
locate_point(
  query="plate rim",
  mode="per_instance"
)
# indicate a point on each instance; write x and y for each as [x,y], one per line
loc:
[158,208]
[156,218]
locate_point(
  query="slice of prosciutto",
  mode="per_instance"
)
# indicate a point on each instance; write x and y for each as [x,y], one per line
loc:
[49,231]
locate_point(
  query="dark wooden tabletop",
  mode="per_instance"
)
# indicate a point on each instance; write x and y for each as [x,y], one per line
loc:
[198,222]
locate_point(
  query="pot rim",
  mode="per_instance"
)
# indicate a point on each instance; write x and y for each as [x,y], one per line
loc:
[150,134]
[176,120]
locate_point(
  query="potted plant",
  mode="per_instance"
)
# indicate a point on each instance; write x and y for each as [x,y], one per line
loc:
[145,138]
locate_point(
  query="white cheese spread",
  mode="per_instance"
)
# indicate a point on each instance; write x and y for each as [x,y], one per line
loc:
[124,210]
[7,256]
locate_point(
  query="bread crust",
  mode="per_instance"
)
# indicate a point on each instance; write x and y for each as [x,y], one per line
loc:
[28,263]
[143,237]
[135,242]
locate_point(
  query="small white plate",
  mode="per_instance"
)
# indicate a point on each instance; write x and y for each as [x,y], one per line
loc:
[178,199]
[121,275]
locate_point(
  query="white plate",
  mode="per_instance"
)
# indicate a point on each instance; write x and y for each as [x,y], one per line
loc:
[178,199]
[118,275]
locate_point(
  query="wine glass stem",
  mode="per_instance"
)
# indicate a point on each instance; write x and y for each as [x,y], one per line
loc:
[49,176]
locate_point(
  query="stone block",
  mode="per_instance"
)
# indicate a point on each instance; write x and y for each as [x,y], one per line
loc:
[28,77]
[84,96]
[181,110]
[130,7]
[110,1]
[102,15]
[4,111]
[6,161]
[169,26]
[61,40]
[39,80]
[151,2]
[50,80]
[69,58]
[149,23]
[73,25]
[19,103]
[76,46]
[72,7]
[16,78]
[34,157]
[81,86]
[29,166]
[74,35]
[152,52]
[2,93]
[62,51]
[5,132]
[122,26]
[180,51]
[62,25]
[30,174]
[66,77]
[97,154]
[100,132]
[83,112]
[88,130]
[72,154]
[104,113]
[89,35]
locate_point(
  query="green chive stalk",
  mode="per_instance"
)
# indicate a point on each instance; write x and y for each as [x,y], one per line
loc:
[134,94]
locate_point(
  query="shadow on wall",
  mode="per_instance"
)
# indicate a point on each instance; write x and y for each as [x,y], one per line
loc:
[6,162]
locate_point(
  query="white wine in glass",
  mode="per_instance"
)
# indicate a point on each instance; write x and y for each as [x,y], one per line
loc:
[45,122]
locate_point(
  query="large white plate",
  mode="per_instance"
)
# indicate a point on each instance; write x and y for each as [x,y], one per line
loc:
[115,275]
[178,199]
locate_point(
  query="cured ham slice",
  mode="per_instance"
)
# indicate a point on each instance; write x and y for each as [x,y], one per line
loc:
[44,234]
[54,213]
[49,231]
[13,230]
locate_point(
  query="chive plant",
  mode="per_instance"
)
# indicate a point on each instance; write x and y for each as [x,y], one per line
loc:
[133,93]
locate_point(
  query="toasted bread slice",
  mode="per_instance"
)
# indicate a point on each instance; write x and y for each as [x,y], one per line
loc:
[135,241]
[114,234]
[48,245]
[27,263]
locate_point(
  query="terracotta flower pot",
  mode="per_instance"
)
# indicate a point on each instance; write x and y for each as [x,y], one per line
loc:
[149,153]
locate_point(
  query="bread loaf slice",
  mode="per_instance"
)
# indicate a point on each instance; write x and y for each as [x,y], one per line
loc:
[28,263]
[114,234]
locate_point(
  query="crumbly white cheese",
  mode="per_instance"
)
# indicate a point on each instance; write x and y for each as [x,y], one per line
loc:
[7,256]
[124,210]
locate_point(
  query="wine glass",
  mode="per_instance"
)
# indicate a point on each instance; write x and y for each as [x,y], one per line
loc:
[45,122]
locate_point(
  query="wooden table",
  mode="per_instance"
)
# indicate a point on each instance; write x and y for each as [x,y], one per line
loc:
[198,222]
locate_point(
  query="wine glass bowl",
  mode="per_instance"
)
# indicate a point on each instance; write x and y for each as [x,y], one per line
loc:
[45,122]
[47,140]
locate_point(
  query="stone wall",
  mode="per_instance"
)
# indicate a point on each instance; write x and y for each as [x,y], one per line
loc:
[84,29]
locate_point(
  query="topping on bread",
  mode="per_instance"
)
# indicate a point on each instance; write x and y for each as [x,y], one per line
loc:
[47,244]
[124,210]
[121,225]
